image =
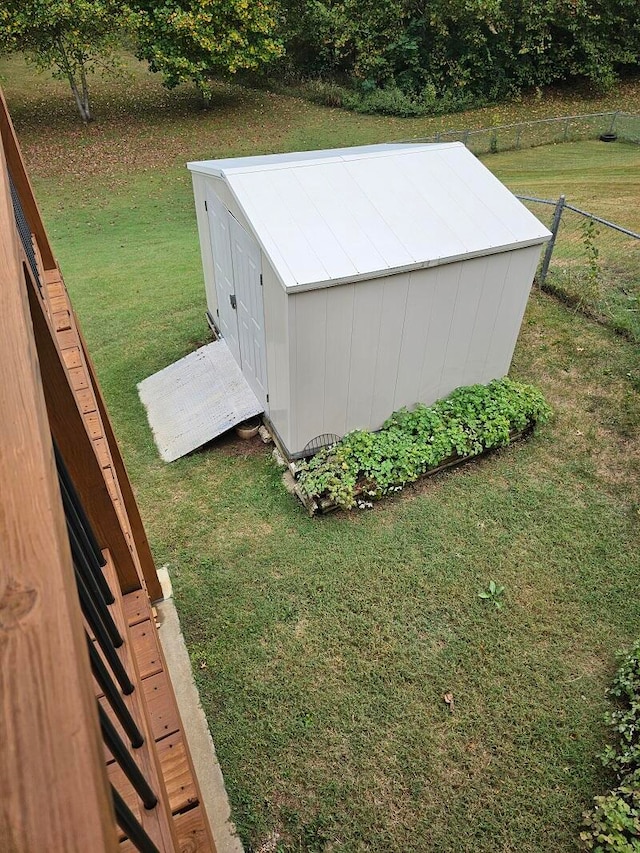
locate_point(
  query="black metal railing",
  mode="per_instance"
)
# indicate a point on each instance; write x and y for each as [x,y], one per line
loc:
[96,598]
[25,232]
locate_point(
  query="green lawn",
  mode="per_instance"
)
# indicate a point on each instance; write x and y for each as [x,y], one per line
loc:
[322,648]
[602,179]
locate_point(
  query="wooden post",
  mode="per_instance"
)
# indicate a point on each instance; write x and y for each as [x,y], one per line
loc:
[53,784]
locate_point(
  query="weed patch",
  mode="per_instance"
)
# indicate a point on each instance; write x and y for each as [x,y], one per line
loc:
[613,826]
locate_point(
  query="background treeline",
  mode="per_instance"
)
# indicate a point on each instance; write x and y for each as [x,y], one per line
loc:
[392,56]
[407,57]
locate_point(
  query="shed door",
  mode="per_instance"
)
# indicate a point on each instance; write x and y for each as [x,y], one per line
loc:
[247,277]
[219,219]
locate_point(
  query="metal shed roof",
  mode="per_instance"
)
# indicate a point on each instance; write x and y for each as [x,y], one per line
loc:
[341,215]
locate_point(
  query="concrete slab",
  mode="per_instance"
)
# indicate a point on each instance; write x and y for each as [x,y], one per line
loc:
[165,582]
[196,730]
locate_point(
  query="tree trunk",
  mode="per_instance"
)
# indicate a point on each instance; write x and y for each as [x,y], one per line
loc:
[81,104]
[87,115]
[205,95]
[81,97]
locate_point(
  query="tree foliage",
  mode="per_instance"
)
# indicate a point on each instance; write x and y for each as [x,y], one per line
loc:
[196,39]
[185,40]
[400,56]
[70,37]
[463,50]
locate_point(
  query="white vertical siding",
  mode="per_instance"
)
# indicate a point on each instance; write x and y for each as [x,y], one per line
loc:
[365,333]
[386,355]
[277,335]
[495,280]
[340,310]
[469,293]
[511,308]
[444,281]
[418,317]
[363,350]
[200,194]
[309,356]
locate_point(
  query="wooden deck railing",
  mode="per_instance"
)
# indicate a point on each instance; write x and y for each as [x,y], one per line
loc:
[92,753]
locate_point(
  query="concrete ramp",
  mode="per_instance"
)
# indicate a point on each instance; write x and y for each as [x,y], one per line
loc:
[196,399]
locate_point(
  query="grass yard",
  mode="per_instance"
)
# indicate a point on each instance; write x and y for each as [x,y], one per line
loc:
[603,182]
[602,179]
[322,648]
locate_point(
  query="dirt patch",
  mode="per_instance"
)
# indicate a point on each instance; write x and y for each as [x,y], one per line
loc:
[232,445]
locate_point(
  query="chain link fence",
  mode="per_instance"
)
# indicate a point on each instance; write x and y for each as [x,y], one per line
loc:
[548,131]
[592,264]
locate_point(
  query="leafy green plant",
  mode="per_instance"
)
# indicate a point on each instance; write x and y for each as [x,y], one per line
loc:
[494,594]
[195,40]
[613,825]
[366,465]
[591,290]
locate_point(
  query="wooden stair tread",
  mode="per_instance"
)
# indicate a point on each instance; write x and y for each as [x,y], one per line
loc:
[135,610]
[147,648]
[176,773]
[192,834]
[161,704]
[136,606]
[157,821]
[163,713]
[73,357]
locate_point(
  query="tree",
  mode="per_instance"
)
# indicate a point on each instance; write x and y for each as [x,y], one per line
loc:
[406,55]
[194,40]
[70,37]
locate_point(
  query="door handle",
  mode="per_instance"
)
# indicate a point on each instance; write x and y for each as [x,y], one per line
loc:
[232,300]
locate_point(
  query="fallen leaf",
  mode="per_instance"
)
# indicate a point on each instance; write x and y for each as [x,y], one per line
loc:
[448,698]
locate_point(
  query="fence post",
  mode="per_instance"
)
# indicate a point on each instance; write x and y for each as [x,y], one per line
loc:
[613,121]
[555,225]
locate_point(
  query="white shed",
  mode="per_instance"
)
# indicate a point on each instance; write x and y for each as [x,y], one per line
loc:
[348,283]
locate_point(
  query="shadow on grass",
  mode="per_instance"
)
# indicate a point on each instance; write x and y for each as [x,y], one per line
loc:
[42,105]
